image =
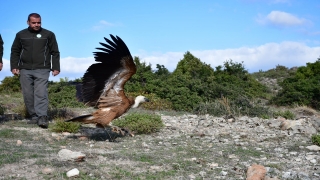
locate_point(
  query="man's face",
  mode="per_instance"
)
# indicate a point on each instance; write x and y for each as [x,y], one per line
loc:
[34,23]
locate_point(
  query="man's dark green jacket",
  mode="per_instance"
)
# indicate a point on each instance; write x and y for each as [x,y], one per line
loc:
[1,49]
[33,50]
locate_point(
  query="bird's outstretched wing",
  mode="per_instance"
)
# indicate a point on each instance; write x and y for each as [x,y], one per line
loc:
[106,78]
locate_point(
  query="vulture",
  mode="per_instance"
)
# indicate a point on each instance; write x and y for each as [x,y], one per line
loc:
[103,83]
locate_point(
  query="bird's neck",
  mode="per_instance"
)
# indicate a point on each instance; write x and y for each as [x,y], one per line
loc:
[136,104]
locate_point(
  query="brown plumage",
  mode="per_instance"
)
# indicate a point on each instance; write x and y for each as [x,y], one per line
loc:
[103,84]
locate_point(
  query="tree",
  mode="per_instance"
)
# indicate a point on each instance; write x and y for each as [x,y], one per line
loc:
[303,88]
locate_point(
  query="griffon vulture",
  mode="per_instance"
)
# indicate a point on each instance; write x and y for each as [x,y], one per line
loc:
[103,84]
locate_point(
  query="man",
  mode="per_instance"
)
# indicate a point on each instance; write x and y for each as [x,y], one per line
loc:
[1,52]
[33,51]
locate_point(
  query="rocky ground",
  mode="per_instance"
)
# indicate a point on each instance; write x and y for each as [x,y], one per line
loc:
[189,147]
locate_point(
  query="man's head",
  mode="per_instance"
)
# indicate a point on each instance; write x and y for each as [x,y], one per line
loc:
[34,21]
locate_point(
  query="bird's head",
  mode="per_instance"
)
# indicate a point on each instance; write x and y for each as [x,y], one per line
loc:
[138,100]
[141,99]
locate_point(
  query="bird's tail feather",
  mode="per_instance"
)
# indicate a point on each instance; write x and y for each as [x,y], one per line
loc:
[82,118]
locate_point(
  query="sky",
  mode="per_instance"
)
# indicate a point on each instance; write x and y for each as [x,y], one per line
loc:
[261,34]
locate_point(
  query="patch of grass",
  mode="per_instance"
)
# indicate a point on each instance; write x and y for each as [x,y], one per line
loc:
[119,173]
[316,139]
[285,114]
[61,126]
[13,134]
[144,158]
[275,166]
[140,123]
[245,152]
[21,109]
[10,157]
[6,133]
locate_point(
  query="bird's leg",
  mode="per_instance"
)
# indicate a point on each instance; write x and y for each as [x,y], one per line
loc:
[120,131]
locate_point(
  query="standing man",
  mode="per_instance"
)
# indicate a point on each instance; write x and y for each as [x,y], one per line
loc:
[1,52]
[33,51]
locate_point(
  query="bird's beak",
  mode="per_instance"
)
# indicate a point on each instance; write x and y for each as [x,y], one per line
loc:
[146,99]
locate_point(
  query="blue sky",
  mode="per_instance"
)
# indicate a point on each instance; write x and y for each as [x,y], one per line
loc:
[260,33]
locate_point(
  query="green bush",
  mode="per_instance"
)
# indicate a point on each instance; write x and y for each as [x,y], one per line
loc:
[140,123]
[316,139]
[194,82]
[22,110]
[61,126]
[285,114]
[10,84]
[63,94]
[279,73]
[236,107]
[302,88]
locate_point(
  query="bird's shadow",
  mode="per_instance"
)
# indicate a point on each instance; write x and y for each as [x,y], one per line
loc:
[99,134]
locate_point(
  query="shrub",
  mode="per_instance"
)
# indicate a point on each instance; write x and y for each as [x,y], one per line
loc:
[10,84]
[237,107]
[316,139]
[22,110]
[140,123]
[302,88]
[61,126]
[63,94]
[286,114]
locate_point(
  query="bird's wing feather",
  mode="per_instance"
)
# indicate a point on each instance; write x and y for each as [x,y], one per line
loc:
[114,68]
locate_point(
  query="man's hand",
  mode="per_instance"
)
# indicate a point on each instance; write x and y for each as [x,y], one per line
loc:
[15,72]
[55,72]
[1,65]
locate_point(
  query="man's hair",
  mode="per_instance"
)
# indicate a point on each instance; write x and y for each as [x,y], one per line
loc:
[35,15]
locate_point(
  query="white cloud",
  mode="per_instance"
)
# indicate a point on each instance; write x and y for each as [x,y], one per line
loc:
[5,69]
[75,65]
[281,19]
[169,59]
[102,25]
[263,57]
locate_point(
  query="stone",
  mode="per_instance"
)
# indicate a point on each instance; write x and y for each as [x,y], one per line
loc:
[47,170]
[223,173]
[68,155]
[256,172]
[19,142]
[73,172]
[313,148]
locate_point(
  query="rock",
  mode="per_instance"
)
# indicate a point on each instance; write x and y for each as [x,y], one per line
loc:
[191,177]
[73,172]
[223,173]
[274,123]
[68,155]
[47,171]
[66,134]
[313,148]
[19,142]
[256,172]
[285,124]
[213,165]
